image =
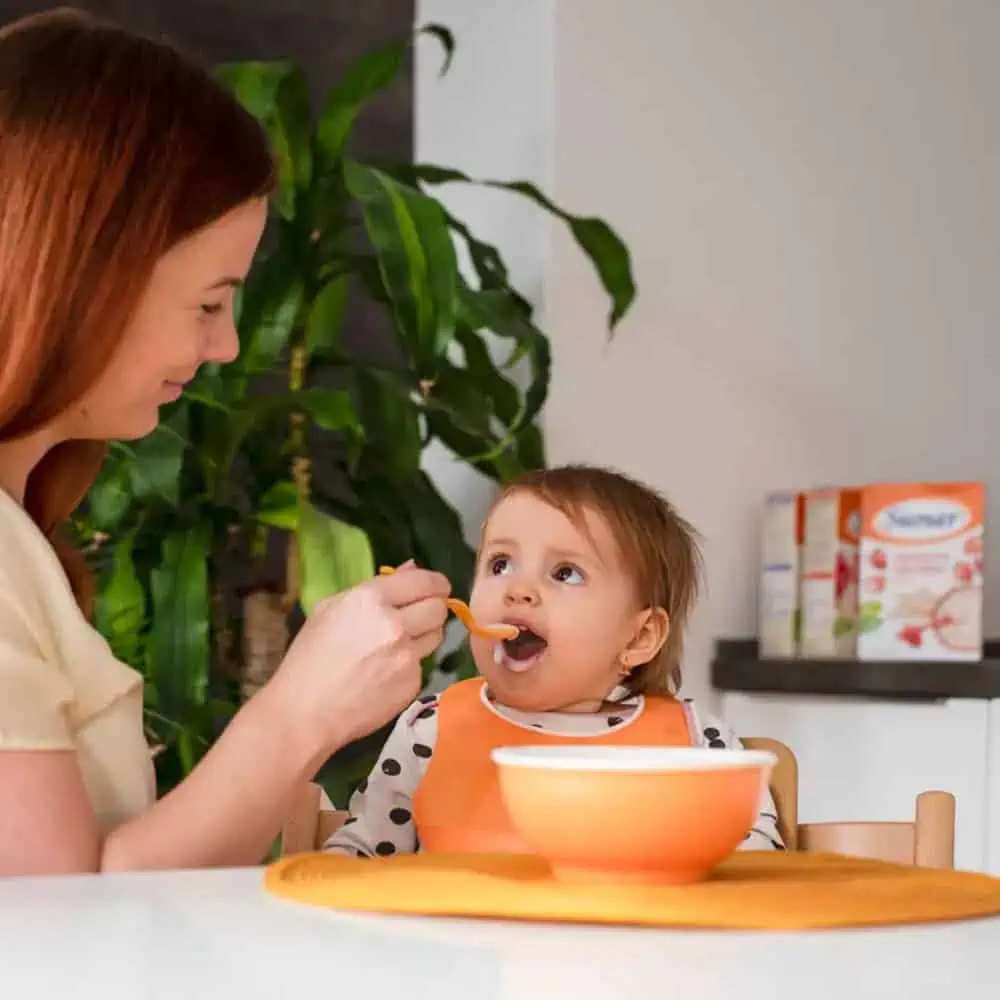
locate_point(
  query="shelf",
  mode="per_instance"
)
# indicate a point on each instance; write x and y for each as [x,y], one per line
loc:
[737,667]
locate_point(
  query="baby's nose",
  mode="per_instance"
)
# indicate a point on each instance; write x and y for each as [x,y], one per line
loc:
[521,593]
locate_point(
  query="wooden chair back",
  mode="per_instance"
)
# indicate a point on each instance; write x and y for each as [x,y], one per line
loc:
[928,840]
[309,824]
[784,786]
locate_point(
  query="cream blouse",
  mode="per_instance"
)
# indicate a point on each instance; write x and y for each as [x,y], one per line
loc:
[61,688]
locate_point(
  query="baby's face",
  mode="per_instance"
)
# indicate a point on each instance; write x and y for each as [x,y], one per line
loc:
[538,570]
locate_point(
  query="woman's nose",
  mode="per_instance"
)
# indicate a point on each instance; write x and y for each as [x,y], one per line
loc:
[223,344]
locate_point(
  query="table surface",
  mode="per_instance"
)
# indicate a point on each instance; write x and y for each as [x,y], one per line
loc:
[195,935]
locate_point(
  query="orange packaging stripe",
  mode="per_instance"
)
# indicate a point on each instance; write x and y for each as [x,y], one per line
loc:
[876,497]
[849,515]
[848,500]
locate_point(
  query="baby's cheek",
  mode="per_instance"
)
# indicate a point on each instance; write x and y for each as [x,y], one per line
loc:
[573,639]
[585,640]
[485,599]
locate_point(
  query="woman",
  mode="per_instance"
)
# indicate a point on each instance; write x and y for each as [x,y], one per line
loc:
[132,199]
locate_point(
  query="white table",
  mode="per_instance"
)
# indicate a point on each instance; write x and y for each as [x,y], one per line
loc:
[188,936]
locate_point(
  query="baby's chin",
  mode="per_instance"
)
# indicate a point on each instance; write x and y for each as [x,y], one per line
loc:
[520,689]
[524,691]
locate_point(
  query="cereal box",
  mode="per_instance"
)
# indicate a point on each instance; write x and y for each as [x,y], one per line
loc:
[922,572]
[830,573]
[778,589]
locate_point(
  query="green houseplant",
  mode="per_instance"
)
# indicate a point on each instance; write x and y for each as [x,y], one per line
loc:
[303,446]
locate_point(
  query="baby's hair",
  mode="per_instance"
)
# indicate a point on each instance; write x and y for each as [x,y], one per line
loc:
[658,548]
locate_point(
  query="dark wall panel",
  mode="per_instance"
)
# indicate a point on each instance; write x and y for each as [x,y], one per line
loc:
[325,36]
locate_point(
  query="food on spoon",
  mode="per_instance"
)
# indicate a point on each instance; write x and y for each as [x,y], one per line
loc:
[461,611]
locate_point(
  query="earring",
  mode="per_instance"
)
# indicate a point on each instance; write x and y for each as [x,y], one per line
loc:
[626,668]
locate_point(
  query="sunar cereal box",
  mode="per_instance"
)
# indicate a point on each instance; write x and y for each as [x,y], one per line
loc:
[922,572]
[830,573]
[778,588]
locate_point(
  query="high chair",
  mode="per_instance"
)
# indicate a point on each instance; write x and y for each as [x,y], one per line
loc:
[927,841]
[310,825]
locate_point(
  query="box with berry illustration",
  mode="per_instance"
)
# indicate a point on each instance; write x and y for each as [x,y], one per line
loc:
[830,573]
[921,572]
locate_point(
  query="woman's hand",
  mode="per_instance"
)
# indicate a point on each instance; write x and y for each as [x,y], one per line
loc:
[355,664]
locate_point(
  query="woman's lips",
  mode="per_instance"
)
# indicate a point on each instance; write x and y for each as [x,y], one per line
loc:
[174,390]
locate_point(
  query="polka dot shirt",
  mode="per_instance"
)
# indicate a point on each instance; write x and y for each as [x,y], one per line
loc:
[380,820]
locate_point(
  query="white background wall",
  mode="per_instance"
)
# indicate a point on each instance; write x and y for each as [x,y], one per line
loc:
[490,117]
[810,193]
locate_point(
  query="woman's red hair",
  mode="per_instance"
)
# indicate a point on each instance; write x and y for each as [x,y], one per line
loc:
[113,147]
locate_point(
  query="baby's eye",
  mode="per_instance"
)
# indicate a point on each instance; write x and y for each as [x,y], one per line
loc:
[567,574]
[498,565]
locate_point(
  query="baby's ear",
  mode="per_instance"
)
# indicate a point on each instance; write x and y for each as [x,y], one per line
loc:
[652,629]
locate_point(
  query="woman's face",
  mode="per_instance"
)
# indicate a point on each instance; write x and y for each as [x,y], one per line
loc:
[184,319]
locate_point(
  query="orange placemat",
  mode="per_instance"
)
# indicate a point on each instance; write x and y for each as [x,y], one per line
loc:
[764,890]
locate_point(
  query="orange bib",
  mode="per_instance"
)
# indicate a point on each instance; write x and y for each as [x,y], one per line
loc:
[458,806]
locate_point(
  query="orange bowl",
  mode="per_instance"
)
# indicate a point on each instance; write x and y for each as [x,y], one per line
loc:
[646,815]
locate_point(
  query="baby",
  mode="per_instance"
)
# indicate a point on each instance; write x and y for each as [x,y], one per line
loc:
[600,574]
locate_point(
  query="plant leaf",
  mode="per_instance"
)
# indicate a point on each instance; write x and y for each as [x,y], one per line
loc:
[333,556]
[465,446]
[447,40]
[178,651]
[416,259]
[378,508]
[272,300]
[120,606]
[607,253]
[110,497]
[255,84]
[332,409]
[455,393]
[372,73]
[486,259]
[295,122]
[483,373]
[275,94]
[279,506]
[325,317]
[438,535]
[530,448]
[155,462]
[500,311]
[388,417]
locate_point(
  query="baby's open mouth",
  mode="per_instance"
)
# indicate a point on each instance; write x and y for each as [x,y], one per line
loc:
[521,651]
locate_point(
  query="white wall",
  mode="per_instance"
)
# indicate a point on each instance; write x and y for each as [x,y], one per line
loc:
[489,117]
[811,194]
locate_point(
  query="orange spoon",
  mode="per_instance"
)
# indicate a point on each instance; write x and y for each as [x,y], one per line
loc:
[461,611]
